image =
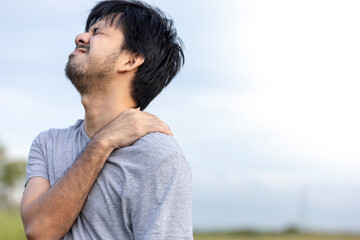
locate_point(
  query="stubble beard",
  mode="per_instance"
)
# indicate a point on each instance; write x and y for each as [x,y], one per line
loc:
[91,78]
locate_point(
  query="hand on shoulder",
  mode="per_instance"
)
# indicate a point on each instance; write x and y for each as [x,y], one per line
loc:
[128,127]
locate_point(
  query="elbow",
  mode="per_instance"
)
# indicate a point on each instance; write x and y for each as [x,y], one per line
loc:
[30,235]
[39,235]
[32,228]
[36,227]
[34,232]
[28,223]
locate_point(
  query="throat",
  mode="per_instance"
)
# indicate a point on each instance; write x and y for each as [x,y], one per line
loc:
[97,114]
[99,111]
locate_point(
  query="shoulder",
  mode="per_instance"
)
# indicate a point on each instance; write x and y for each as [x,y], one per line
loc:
[159,143]
[54,134]
[159,146]
[152,151]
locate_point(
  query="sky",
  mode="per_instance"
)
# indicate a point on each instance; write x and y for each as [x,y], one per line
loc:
[265,108]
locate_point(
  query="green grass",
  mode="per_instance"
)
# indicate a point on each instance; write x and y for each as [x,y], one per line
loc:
[11,229]
[274,237]
[11,226]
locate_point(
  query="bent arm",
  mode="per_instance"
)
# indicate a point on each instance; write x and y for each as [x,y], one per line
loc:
[48,213]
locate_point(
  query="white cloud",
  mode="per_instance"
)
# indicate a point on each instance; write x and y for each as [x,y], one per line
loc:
[303,64]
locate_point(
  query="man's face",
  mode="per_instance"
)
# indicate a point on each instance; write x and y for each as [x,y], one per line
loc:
[93,62]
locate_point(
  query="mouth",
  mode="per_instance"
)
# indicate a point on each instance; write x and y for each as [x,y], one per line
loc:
[81,48]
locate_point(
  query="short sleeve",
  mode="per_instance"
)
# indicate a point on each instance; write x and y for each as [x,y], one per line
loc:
[163,208]
[36,164]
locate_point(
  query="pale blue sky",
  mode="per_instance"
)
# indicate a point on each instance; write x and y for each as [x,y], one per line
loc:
[265,109]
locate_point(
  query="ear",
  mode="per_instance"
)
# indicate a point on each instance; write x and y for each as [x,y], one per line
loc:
[129,62]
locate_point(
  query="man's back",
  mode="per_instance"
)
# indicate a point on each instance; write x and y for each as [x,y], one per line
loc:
[142,192]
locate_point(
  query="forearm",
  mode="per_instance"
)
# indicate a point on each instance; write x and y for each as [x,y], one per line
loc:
[52,214]
[49,212]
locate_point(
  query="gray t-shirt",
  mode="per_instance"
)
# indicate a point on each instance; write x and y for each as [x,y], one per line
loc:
[143,191]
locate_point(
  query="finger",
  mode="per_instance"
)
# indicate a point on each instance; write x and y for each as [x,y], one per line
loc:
[150,117]
[170,132]
[149,114]
[127,111]
[165,129]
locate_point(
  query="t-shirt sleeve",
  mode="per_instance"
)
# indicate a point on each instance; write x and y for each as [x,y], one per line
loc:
[163,209]
[36,164]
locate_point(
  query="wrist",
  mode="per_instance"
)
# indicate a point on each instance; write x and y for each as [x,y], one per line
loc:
[103,144]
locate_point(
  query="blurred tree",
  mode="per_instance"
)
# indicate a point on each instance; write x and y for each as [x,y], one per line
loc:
[12,172]
[2,156]
[3,161]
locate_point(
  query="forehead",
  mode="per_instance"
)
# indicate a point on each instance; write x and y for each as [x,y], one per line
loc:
[102,23]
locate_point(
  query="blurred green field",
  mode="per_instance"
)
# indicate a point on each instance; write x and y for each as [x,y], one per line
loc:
[11,226]
[11,229]
[274,237]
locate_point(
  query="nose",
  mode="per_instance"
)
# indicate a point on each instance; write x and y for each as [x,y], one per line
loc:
[82,38]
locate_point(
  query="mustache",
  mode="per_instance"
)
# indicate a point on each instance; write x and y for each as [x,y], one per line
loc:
[86,47]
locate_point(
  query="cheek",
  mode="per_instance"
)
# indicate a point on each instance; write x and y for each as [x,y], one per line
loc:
[102,50]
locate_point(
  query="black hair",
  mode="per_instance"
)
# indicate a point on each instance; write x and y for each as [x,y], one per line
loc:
[149,33]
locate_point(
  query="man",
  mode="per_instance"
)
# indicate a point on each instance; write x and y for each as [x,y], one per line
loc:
[97,179]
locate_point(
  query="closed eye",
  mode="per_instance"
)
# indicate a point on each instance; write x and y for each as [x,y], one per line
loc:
[94,30]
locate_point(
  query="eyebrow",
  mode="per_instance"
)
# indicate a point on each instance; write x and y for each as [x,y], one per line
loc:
[96,27]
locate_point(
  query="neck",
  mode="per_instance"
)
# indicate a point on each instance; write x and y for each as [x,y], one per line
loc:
[102,109]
